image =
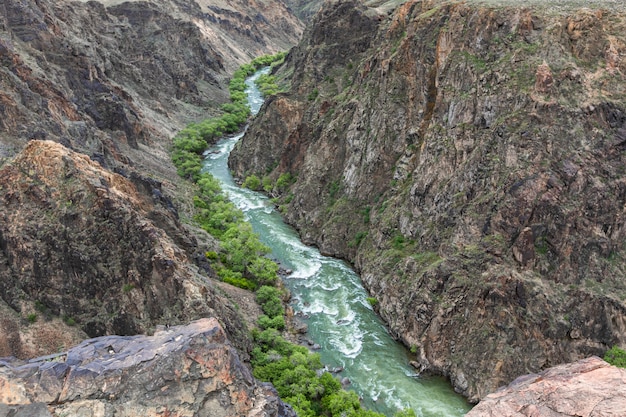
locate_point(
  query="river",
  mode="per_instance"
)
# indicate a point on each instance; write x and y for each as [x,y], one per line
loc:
[329,296]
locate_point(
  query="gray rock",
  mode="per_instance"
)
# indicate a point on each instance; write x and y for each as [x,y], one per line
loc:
[587,388]
[187,370]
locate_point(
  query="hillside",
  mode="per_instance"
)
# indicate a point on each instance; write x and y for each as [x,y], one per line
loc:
[95,236]
[468,159]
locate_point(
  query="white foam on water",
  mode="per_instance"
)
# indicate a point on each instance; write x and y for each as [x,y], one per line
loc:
[350,349]
[306,270]
[329,287]
[318,307]
[349,341]
[346,319]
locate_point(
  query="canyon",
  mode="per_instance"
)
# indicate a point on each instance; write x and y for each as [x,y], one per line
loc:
[467,158]
[96,236]
[95,227]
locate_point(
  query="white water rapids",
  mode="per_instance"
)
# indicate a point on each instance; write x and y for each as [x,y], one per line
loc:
[329,296]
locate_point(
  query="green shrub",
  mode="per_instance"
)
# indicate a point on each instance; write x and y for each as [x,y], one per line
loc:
[277,322]
[69,320]
[358,239]
[267,85]
[284,181]
[616,357]
[263,270]
[372,301]
[128,287]
[398,242]
[267,184]
[32,317]
[236,279]
[252,182]
[296,374]
[270,301]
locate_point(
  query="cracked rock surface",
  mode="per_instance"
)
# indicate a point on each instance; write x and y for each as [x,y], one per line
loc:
[183,370]
[587,388]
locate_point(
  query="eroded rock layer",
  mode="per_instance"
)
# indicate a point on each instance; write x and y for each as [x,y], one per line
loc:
[183,371]
[90,237]
[468,158]
[102,252]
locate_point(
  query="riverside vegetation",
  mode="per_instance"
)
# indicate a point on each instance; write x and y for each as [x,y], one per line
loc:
[297,374]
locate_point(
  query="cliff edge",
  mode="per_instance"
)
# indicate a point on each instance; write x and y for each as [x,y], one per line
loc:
[183,371]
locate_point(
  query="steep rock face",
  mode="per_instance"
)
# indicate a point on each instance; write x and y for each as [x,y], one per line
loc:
[183,371]
[469,160]
[587,388]
[113,80]
[304,9]
[103,252]
[116,79]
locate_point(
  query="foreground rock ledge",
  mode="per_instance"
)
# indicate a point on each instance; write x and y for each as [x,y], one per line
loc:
[587,388]
[187,370]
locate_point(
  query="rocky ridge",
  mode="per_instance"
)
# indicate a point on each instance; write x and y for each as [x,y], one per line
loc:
[115,80]
[467,158]
[183,371]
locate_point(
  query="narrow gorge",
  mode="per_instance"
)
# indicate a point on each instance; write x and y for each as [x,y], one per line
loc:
[455,171]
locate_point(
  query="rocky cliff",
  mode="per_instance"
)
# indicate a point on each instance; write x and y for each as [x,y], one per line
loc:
[116,79]
[95,236]
[84,247]
[587,388]
[304,9]
[181,371]
[468,159]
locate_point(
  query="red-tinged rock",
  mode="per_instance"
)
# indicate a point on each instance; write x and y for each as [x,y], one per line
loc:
[181,371]
[102,251]
[587,388]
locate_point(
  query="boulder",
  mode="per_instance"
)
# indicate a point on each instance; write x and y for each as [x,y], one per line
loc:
[587,388]
[189,370]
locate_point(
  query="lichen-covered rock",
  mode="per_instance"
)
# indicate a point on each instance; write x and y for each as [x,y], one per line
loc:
[587,388]
[103,252]
[468,159]
[181,371]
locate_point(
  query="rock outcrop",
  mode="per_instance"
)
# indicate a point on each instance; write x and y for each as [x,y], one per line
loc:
[103,252]
[181,371]
[587,388]
[468,159]
[304,9]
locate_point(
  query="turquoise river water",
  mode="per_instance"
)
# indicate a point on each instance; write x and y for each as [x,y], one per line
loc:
[330,297]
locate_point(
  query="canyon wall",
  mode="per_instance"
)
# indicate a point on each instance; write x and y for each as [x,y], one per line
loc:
[95,235]
[115,80]
[95,230]
[468,159]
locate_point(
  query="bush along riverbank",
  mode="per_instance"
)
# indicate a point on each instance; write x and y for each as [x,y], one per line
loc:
[298,375]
